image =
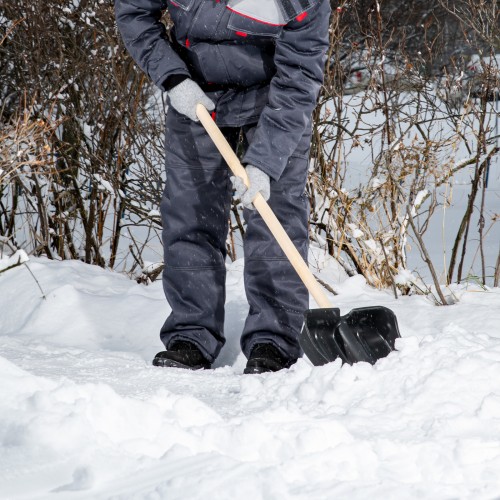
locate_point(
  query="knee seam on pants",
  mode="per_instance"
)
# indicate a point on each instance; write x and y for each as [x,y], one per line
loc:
[278,307]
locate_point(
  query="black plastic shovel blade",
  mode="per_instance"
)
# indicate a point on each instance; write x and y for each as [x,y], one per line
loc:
[363,334]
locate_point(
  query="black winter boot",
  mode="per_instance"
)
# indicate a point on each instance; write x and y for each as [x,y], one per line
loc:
[181,354]
[266,358]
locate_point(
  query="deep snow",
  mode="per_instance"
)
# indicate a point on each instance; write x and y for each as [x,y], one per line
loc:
[83,414]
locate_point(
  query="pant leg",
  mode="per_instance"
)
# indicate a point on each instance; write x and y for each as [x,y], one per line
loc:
[276,295]
[195,211]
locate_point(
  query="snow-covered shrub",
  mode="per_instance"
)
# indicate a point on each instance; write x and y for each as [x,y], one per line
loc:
[389,148]
[62,63]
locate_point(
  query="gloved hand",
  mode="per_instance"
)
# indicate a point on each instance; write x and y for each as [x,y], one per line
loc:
[186,95]
[259,181]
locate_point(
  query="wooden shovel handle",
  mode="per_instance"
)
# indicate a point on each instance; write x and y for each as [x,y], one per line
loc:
[264,209]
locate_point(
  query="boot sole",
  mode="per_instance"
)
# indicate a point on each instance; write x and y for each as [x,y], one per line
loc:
[170,363]
[256,366]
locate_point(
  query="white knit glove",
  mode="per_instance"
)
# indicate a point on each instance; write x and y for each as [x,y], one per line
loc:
[186,95]
[259,182]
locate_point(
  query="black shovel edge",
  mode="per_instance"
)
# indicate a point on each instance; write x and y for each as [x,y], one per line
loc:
[364,334]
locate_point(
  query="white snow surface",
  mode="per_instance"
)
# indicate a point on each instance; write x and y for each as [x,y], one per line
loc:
[83,414]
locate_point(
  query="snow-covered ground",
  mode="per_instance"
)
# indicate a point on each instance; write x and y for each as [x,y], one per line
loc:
[83,414]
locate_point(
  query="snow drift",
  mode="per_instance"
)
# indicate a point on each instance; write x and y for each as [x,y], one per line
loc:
[83,414]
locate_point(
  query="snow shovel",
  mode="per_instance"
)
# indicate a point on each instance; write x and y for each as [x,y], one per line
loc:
[364,334]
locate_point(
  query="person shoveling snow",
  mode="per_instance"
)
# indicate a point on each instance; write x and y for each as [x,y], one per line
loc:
[262,89]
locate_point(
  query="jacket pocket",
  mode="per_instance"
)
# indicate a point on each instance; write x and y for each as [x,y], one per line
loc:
[245,25]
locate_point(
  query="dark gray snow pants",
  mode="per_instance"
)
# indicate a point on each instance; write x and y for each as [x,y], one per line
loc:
[195,213]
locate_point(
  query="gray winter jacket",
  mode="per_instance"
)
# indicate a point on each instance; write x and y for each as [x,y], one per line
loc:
[261,61]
